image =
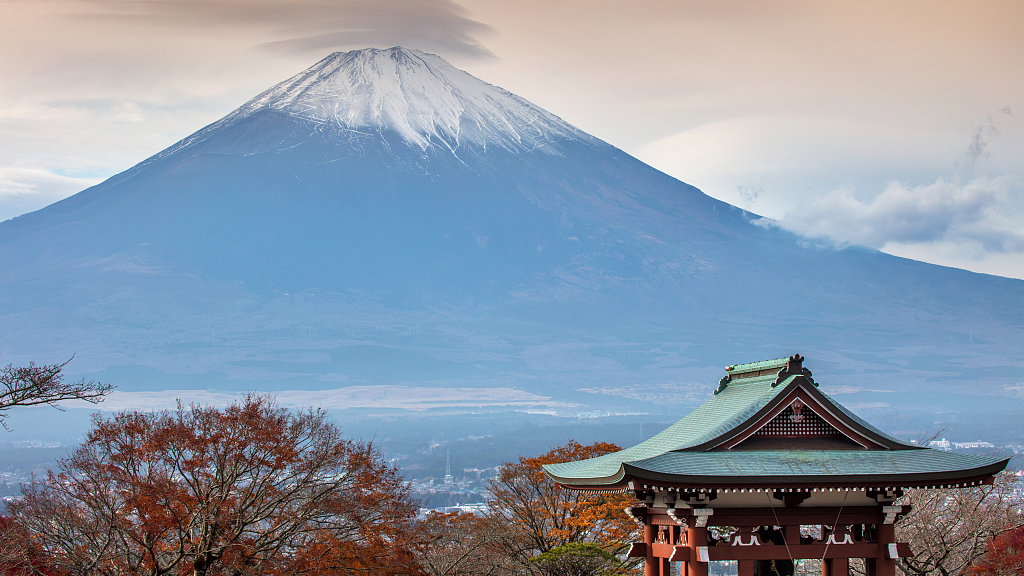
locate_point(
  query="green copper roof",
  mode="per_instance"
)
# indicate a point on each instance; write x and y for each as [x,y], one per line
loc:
[762,365]
[692,447]
[853,466]
[721,413]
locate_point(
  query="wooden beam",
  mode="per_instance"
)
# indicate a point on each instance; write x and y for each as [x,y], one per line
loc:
[794,551]
[680,554]
[660,550]
[776,517]
[637,550]
[767,552]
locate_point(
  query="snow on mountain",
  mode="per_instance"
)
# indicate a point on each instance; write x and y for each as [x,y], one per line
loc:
[386,219]
[418,95]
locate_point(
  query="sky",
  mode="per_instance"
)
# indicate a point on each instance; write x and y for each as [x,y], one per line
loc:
[890,124]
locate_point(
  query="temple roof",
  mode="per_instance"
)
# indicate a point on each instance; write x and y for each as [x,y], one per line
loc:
[768,424]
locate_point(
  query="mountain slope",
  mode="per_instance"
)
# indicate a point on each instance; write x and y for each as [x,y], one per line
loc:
[384,218]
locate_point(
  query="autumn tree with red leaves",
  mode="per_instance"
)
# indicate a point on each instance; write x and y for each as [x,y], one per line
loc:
[541,516]
[19,556]
[250,489]
[948,528]
[1004,556]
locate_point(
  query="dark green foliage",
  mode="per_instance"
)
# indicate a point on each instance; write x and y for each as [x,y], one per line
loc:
[578,559]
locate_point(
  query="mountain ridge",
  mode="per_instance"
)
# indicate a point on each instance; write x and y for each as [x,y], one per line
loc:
[276,250]
[418,95]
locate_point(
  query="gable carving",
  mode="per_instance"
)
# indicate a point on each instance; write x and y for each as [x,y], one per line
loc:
[797,421]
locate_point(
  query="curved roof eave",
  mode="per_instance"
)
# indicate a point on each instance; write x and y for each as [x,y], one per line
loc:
[570,481]
[908,480]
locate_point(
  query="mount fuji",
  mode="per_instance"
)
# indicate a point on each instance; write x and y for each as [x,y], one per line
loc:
[384,221]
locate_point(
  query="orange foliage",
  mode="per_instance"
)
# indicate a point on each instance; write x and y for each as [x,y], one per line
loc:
[1004,556]
[544,515]
[19,556]
[251,489]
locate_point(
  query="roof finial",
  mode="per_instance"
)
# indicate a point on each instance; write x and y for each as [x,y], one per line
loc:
[794,368]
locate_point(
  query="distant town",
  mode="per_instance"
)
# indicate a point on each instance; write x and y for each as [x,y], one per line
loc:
[462,488]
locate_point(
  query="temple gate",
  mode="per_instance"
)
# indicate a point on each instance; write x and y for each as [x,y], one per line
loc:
[768,454]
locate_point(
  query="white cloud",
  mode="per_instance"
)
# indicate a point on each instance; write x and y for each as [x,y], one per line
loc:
[395,397]
[948,221]
[26,190]
[848,182]
[986,212]
[772,163]
[959,255]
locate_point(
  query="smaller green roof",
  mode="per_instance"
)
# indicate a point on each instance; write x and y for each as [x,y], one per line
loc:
[762,365]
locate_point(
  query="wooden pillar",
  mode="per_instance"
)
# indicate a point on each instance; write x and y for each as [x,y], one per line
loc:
[697,537]
[746,536]
[650,562]
[885,534]
[835,567]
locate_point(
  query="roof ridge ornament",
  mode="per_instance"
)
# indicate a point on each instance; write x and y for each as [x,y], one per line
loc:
[794,368]
[724,382]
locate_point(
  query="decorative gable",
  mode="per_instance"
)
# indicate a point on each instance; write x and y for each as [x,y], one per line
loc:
[797,421]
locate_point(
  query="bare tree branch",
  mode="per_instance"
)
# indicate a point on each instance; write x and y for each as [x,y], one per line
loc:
[33,385]
[949,528]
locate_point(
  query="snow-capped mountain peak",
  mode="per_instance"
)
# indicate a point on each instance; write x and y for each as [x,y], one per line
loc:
[420,96]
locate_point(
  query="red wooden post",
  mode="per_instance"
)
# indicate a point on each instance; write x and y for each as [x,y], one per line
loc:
[650,562]
[885,565]
[835,567]
[791,534]
[697,538]
[747,536]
